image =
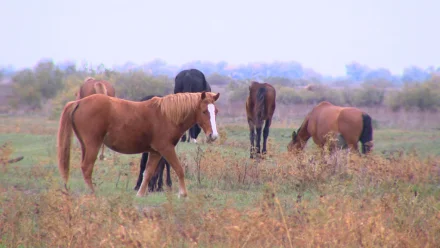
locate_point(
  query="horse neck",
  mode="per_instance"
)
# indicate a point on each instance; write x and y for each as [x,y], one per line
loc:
[188,122]
[303,134]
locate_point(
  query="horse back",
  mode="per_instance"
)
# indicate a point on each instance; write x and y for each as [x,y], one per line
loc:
[323,119]
[261,95]
[191,80]
[89,88]
[350,124]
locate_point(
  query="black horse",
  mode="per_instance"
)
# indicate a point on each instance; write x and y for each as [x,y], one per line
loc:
[159,171]
[191,80]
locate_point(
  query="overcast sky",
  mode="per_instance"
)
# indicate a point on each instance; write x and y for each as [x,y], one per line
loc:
[321,34]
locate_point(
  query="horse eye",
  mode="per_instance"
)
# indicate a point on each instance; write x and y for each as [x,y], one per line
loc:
[205,112]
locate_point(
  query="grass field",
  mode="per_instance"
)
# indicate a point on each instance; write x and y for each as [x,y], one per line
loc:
[389,199]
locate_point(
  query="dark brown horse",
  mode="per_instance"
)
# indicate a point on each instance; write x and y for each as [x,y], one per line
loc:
[260,106]
[346,126]
[92,86]
[130,127]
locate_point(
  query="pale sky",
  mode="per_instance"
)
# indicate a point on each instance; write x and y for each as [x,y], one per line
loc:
[323,35]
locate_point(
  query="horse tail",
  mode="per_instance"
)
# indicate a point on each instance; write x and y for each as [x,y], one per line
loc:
[100,88]
[367,133]
[64,139]
[261,107]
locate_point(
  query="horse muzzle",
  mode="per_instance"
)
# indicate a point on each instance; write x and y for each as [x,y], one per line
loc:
[211,137]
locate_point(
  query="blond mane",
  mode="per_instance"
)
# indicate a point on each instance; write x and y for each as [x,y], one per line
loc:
[177,107]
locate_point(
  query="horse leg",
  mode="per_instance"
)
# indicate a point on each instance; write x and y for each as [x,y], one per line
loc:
[266,134]
[152,183]
[160,169]
[171,157]
[183,139]
[192,132]
[195,132]
[89,158]
[252,138]
[101,157]
[153,159]
[169,182]
[258,138]
[354,147]
[142,169]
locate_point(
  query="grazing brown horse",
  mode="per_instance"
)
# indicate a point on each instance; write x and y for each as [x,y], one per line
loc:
[346,125]
[92,86]
[130,127]
[260,106]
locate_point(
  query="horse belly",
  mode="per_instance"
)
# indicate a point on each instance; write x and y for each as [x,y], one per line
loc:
[127,145]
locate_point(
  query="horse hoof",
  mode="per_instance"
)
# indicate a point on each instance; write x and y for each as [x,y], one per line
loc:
[184,195]
[101,157]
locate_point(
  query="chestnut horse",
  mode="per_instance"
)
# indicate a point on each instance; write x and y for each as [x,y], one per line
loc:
[158,174]
[346,125]
[260,106]
[92,86]
[131,127]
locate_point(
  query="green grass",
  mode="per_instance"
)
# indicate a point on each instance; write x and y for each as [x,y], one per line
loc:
[41,149]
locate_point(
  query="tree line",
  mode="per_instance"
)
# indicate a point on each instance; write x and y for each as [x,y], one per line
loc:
[57,83]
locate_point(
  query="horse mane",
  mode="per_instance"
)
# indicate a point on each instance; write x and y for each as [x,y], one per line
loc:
[177,107]
[304,123]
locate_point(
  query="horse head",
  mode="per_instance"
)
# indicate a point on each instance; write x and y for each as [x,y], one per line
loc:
[206,115]
[296,143]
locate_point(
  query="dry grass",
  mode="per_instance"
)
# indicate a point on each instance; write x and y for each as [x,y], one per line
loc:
[307,200]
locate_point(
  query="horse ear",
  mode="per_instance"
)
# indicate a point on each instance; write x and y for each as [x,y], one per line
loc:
[203,95]
[216,96]
[293,134]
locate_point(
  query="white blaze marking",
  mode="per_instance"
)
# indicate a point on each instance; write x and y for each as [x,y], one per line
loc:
[211,109]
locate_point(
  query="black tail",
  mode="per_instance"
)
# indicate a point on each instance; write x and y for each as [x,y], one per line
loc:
[261,105]
[367,133]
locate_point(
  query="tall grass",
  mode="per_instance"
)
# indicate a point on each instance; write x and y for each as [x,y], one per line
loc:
[308,200]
